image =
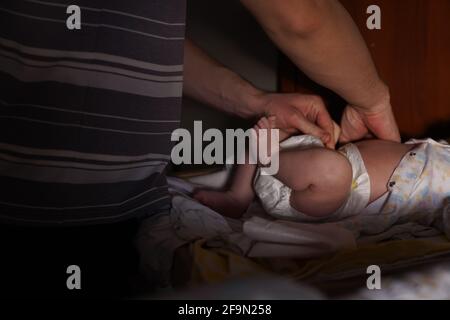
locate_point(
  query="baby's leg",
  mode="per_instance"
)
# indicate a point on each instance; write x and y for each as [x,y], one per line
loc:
[235,201]
[320,180]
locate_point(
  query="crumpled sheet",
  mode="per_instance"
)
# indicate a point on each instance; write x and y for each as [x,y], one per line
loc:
[431,283]
[258,235]
[218,265]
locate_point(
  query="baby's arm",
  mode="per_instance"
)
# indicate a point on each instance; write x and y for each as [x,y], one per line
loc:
[235,201]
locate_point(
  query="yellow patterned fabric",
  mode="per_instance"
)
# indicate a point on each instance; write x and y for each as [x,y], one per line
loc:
[218,265]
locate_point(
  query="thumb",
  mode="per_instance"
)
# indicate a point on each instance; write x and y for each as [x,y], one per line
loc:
[307,127]
[352,125]
[386,130]
[344,137]
[350,133]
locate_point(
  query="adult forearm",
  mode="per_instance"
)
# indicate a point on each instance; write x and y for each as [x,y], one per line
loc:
[321,38]
[208,81]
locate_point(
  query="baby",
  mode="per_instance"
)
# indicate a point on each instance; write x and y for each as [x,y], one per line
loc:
[318,184]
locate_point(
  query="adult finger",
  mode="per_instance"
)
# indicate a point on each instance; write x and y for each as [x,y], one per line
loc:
[320,114]
[352,125]
[301,123]
[317,113]
[325,122]
[384,126]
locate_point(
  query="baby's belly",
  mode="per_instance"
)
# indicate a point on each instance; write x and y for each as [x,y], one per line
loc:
[381,158]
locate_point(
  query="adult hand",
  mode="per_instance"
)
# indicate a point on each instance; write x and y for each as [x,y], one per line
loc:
[359,123]
[300,112]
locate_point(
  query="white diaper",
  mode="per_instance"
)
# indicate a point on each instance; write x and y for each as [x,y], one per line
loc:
[275,196]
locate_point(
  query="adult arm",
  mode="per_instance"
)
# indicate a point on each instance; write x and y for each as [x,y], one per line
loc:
[320,37]
[208,81]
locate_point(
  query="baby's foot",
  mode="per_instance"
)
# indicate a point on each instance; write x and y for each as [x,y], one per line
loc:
[223,202]
[269,123]
[262,136]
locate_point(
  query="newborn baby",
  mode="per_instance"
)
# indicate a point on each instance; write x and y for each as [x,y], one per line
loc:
[318,184]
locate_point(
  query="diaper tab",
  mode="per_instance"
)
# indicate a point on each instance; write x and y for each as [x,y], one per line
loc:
[360,188]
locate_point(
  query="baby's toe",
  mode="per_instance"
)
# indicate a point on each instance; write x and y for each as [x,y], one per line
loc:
[266,123]
[272,122]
